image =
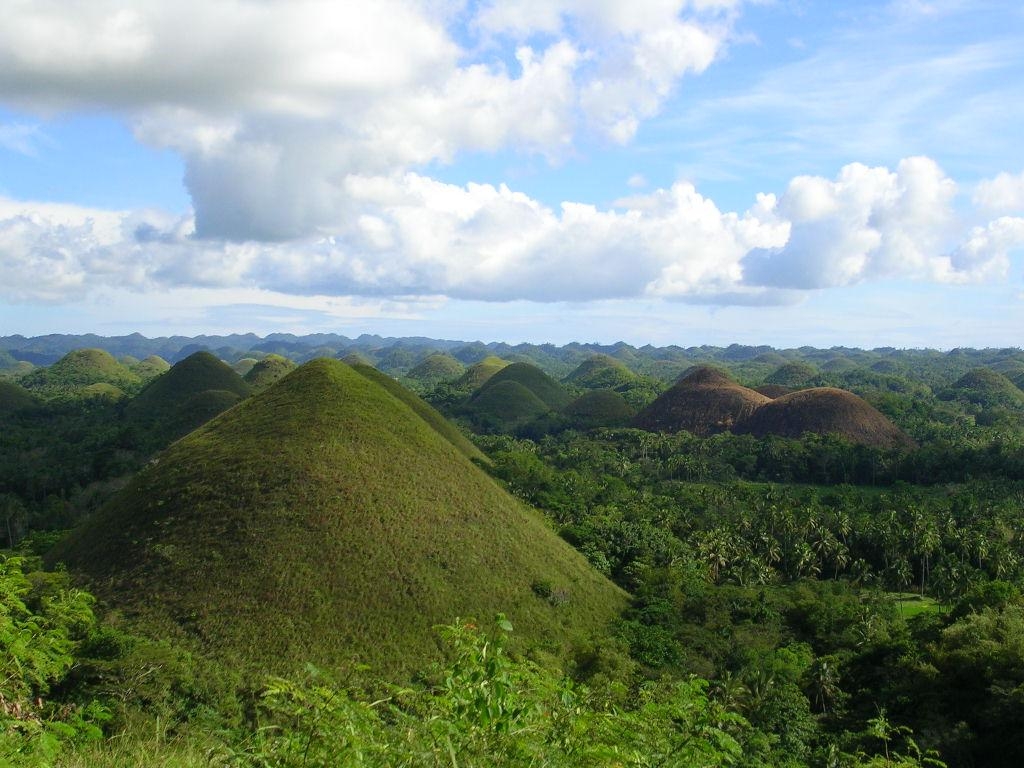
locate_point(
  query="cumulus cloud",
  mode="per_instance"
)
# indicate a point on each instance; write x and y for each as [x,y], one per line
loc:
[1003,194]
[273,111]
[873,223]
[410,235]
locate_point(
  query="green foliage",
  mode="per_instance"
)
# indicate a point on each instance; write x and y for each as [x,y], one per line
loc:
[485,709]
[42,621]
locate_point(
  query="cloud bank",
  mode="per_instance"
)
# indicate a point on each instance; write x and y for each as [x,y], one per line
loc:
[411,235]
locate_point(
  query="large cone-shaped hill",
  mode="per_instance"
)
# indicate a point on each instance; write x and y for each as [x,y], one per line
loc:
[323,521]
[192,392]
[824,410]
[704,402]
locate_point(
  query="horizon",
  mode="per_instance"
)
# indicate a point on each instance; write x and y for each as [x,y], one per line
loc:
[774,172]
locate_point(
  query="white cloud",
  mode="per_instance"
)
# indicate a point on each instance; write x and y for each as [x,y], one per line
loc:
[274,103]
[1003,194]
[409,235]
[21,138]
[869,223]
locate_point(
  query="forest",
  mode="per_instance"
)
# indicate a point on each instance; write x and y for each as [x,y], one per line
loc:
[320,551]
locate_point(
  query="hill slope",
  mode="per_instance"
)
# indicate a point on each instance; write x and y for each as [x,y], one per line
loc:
[424,410]
[190,393]
[79,369]
[546,389]
[323,521]
[704,402]
[824,410]
[435,368]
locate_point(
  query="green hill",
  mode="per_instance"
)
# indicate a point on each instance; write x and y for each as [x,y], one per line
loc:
[437,422]
[356,358]
[14,398]
[150,368]
[601,372]
[988,389]
[503,406]
[103,391]
[243,366]
[78,369]
[323,521]
[436,368]
[479,373]
[546,389]
[796,375]
[599,408]
[166,408]
[268,370]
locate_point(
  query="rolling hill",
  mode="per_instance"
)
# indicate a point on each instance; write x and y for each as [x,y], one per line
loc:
[824,410]
[704,402]
[322,520]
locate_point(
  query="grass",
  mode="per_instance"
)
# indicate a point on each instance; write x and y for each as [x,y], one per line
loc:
[545,388]
[267,371]
[912,604]
[479,373]
[323,520]
[601,372]
[425,411]
[79,369]
[435,368]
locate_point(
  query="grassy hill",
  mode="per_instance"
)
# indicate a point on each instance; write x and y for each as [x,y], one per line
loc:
[545,388]
[324,521]
[795,375]
[824,410]
[599,408]
[601,372]
[77,370]
[14,398]
[188,395]
[503,406]
[436,368]
[703,402]
[479,373]
[150,368]
[268,370]
[986,388]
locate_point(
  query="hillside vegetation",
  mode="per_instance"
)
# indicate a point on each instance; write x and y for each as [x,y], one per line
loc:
[323,520]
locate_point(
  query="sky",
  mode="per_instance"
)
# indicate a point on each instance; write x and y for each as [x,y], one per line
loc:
[784,172]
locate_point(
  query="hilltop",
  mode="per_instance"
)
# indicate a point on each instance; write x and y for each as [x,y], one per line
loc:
[545,388]
[601,372]
[265,372]
[322,520]
[479,373]
[435,368]
[824,410]
[77,370]
[189,394]
[704,401]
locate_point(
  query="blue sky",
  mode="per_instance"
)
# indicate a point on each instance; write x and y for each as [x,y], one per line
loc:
[665,171]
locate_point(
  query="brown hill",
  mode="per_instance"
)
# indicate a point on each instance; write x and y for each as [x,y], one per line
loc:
[824,410]
[704,402]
